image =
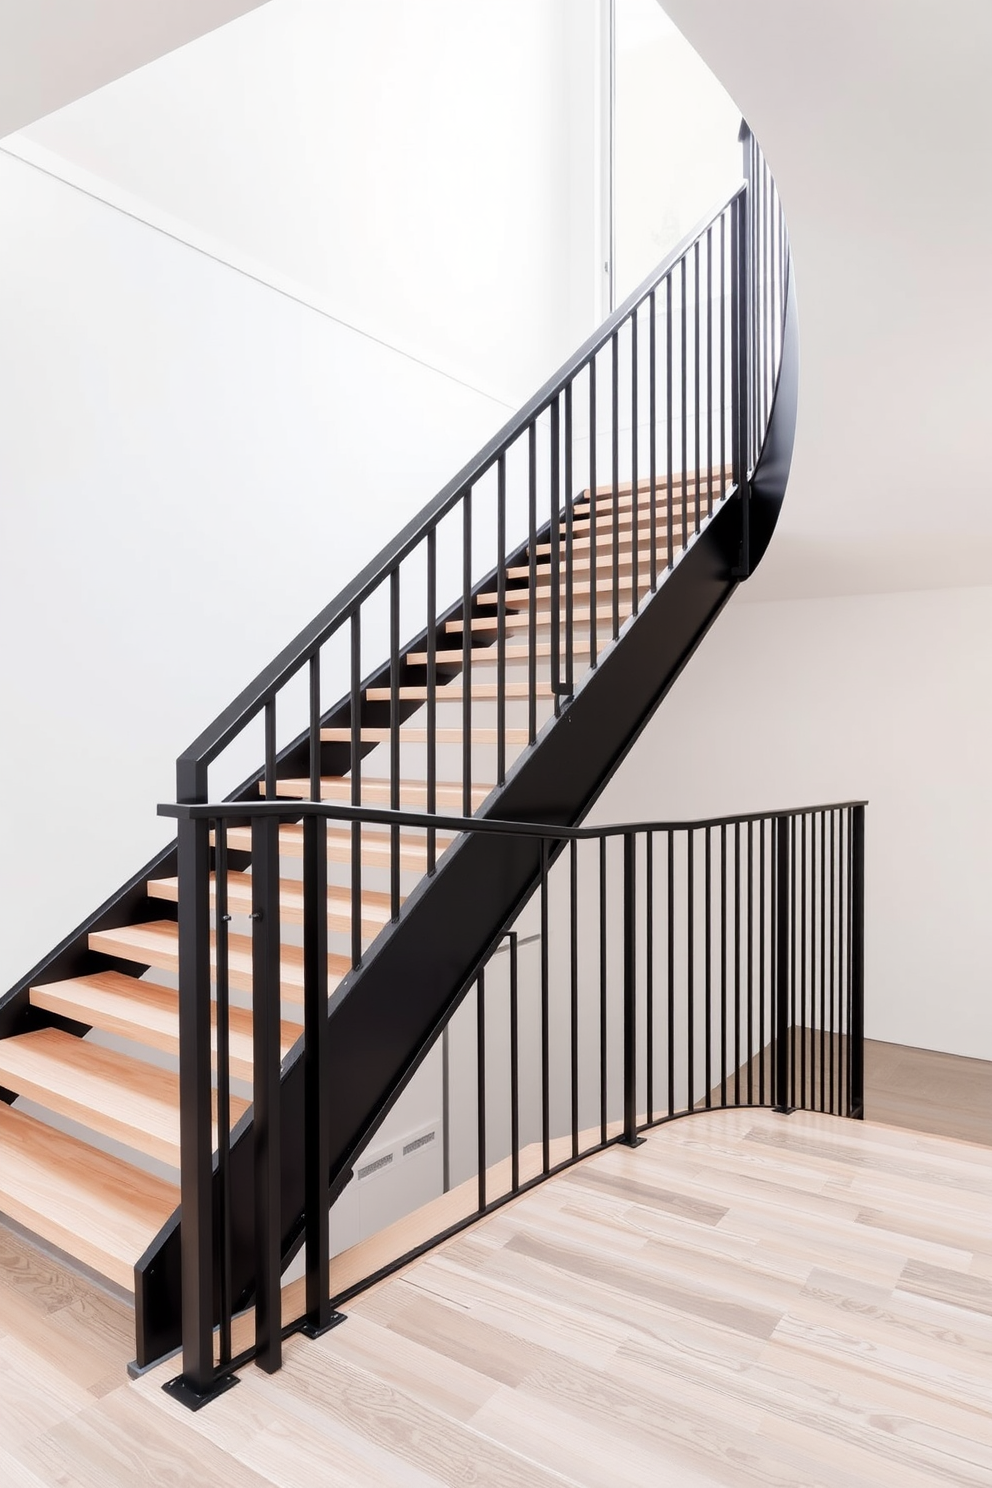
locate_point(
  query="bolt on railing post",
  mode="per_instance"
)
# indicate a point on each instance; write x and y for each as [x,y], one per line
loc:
[856,1030]
[630,1136]
[783,964]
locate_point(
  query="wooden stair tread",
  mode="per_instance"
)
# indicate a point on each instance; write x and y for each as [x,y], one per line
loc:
[449,692]
[376,791]
[375,844]
[376,910]
[521,620]
[419,735]
[488,655]
[156,943]
[521,597]
[126,1099]
[147,1013]
[97,1208]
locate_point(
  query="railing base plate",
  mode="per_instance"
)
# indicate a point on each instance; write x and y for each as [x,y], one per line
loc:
[193,1399]
[317,1330]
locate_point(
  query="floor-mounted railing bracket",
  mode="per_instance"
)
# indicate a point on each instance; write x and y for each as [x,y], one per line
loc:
[193,1399]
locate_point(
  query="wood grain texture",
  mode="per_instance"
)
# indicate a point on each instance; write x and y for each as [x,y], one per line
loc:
[709,1309]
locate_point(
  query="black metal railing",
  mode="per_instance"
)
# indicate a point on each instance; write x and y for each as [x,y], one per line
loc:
[491,609]
[662,968]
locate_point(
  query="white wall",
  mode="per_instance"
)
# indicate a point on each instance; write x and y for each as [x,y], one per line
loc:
[420,169]
[887,697]
[192,466]
[196,459]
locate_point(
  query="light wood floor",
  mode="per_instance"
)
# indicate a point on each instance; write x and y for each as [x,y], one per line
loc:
[927,1091]
[745,1300]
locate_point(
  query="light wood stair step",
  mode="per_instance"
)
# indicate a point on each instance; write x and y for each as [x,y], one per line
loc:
[449,692]
[625,488]
[125,1099]
[375,845]
[97,1208]
[376,792]
[487,656]
[148,1013]
[604,564]
[157,944]
[521,620]
[604,541]
[375,905]
[520,598]
[419,735]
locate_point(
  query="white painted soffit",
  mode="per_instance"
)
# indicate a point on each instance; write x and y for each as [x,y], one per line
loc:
[875,120]
[55,51]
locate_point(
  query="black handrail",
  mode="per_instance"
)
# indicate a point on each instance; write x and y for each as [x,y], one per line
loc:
[254,697]
[292,811]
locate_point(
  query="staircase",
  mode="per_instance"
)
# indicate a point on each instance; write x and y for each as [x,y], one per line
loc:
[562,580]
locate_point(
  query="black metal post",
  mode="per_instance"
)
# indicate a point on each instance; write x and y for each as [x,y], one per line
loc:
[266,1127]
[630,1136]
[856,1031]
[783,962]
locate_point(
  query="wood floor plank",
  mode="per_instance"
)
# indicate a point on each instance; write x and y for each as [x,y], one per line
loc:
[711,1310]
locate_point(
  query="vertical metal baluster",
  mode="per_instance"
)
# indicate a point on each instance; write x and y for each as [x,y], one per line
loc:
[634,514]
[709,371]
[545,1016]
[480,1034]
[356,785]
[723,964]
[802,966]
[223,1088]
[690,971]
[842,911]
[823,961]
[501,619]
[669,456]
[723,355]
[593,585]
[630,989]
[834,1109]
[446,1107]
[762,868]
[394,740]
[555,531]
[271,782]
[602,991]
[708,964]
[750,963]
[649,968]
[514,1068]
[653,437]
[532,583]
[432,692]
[670,1051]
[814,1042]
[683,364]
[695,376]
[266,1127]
[856,957]
[615,473]
[467,652]
[569,555]
[781,986]
[794,950]
[737,963]
[573,967]
[316,1047]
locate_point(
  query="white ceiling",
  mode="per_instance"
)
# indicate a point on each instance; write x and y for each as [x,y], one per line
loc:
[876,121]
[54,51]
